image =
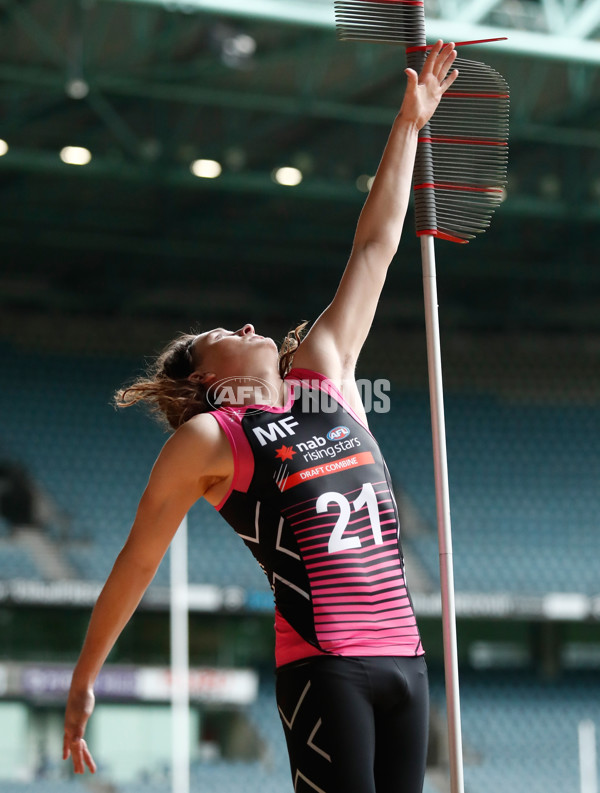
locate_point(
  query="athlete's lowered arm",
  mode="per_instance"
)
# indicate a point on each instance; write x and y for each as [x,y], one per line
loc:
[334,342]
[193,459]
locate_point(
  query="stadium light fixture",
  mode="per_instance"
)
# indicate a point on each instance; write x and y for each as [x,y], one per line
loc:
[75,155]
[77,88]
[206,169]
[288,176]
[362,183]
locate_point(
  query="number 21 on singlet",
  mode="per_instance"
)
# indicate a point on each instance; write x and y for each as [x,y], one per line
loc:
[337,542]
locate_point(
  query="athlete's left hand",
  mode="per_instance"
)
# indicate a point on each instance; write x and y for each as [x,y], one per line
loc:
[424,91]
[80,705]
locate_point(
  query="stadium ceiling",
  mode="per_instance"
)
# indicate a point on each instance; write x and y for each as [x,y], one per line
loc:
[553,29]
[149,86]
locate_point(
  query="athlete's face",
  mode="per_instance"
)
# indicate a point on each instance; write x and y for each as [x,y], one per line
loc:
[233,353]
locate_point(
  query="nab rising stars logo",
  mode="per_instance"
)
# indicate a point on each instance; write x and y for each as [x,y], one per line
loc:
[285,452]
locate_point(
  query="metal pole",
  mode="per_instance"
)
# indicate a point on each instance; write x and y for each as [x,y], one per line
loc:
[180,691]
[440,465]
[588,770]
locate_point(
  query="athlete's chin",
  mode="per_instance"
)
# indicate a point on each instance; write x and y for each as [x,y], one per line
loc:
[266,340]
[262,350]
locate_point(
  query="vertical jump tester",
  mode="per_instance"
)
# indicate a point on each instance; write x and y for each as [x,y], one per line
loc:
[458,181]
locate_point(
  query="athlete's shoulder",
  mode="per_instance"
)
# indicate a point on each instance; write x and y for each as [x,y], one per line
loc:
[202,424]
[201,430]
[191,461]
[198,440]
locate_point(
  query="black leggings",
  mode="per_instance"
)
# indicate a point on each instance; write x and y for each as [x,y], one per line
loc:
[355,725]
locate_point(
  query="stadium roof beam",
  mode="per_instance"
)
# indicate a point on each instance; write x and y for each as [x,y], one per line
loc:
[555,15]
[27,22]
[319,13]
[476,10]
[260,102]
[585,21]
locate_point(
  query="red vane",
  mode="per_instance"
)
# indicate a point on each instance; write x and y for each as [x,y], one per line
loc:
[465,187]
[457,44]
[402,2]
[466,141]
[441,235]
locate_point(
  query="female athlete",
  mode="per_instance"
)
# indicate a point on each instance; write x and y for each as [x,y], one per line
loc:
[309,493]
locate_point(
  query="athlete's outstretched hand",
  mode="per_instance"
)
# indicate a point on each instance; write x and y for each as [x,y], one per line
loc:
[424,91]
[80,705]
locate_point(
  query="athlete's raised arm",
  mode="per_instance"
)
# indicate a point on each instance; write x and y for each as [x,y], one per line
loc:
[334,342]
[194,460]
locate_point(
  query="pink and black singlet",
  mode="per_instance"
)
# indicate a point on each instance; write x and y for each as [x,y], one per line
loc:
[312,499]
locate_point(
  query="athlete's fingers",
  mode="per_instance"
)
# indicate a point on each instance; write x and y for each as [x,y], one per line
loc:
[75,750]
[88,759]
[444,60]
[81,756]
[430,60]
[449,59]
[66,748]
[413,78]
[447,82]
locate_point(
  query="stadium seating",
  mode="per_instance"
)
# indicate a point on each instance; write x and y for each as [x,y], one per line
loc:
[519,733]
[16,563]
[45,786]
[523,476]
[523,479]
[523,490]
[522,733]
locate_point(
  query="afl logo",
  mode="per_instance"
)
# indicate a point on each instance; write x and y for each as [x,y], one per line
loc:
[337,433]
